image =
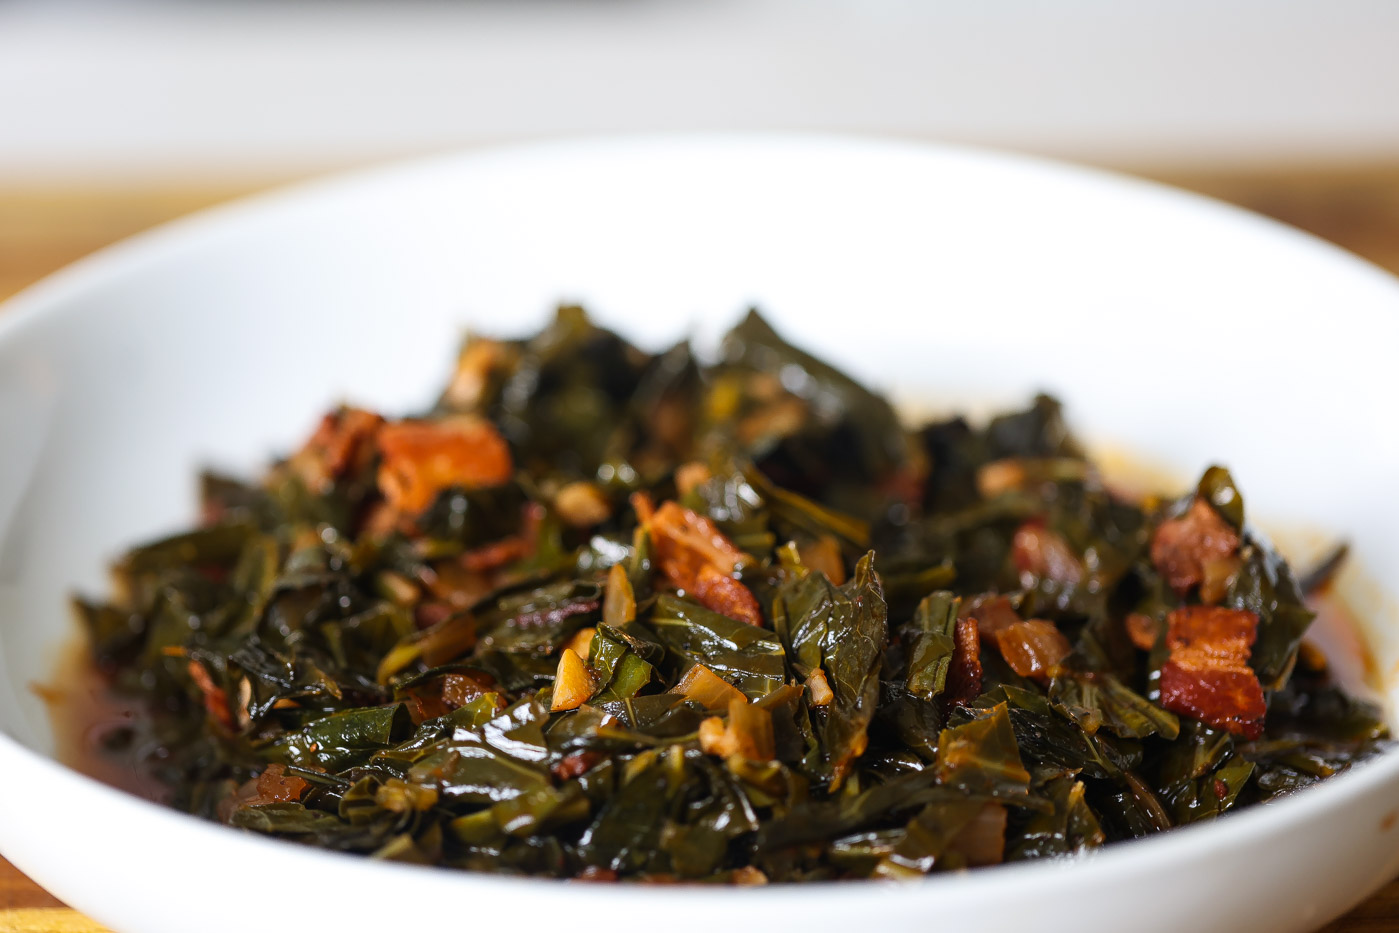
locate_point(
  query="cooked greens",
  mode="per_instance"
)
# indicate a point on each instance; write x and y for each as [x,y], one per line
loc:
[606,614]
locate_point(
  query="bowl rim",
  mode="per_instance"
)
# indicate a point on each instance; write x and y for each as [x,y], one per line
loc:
[44,299]
[1239,830]
[113,260]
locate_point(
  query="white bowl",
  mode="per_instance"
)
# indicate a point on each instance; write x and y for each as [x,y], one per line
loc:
[1183,330]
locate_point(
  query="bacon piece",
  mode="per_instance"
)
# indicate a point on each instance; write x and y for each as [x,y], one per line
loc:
[725,595]
[343,440]
[273,785]
[1039,553]
[497,554]
[1033,648]
[516,547]
[643,506]
[686,542]
[693,555]
[964,674]
[1183,546]
[571,766]
[215,697]
[422,458]
[992,614]
[1207,675]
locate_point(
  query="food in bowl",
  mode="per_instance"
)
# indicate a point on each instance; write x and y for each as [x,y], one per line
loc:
[608,615]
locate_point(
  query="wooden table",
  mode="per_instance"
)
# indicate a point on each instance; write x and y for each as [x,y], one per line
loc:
[43,229]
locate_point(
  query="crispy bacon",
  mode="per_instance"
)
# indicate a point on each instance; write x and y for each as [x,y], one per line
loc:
[1182,547]
[342,441]
[1033,648]
[1039,553]
[422,458]
[992,614]
[964,674]
[1207,675]
[273,785]
[693,555]
[725,595]
[685,542]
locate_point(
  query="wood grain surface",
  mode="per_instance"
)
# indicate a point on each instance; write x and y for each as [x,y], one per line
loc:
[44,229]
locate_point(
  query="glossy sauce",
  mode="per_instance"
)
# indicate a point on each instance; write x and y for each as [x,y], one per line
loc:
[89,723]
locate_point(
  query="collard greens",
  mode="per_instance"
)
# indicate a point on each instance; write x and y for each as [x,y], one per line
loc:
[606,614]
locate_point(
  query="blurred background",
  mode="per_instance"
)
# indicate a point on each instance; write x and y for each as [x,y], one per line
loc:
[116,115]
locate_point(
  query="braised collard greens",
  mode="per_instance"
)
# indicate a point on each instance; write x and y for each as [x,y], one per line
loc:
[604,614]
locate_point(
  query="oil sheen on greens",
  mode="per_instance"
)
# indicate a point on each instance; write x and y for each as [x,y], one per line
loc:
[606,614]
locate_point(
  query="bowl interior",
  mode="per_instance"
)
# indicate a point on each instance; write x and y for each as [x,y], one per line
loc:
[1183,331]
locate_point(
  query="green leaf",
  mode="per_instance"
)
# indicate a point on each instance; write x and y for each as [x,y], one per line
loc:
[1071,826]
[622,671]
[930,651]
[1102,701]
[982,757]
[749,657]
[343,739]
[843,630]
